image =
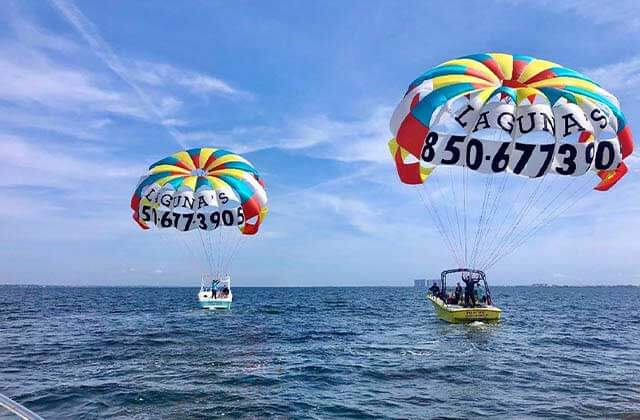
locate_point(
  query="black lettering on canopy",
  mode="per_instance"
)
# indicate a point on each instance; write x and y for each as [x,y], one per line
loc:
[165,200]
[531,126]
[549,121]
[459,117]
[148,196]
[508,125]
[599,117]
[202,202]
[567,125]
[223,197]
[183,201]
[187,202]
[482,120]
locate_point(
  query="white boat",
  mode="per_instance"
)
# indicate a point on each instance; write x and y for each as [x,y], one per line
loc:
[215,292]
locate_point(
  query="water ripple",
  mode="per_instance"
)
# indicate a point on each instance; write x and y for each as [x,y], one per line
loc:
[140,353]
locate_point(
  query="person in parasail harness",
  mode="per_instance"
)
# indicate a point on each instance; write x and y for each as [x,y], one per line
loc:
[469,292]
[435,290]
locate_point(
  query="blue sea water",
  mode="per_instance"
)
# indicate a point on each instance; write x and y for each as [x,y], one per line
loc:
[142,353]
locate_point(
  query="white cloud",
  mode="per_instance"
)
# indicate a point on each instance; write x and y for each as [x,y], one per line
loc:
[345,140]
[62,193]
[167,75]
[18,206]
[356,213]
[176,122]
[623,78]
[101,48]
[199,83]
[144,73]
[31,78]
[65,123]
[29,163]
[39,38]
[620,15]
[49,84]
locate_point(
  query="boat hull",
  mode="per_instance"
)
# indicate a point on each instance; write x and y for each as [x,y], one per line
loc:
[457,314]
[206,300]
[215,303]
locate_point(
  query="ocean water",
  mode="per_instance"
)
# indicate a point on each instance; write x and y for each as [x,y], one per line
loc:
[142,353]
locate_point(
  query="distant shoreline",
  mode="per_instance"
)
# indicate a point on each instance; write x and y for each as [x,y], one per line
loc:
[142,286]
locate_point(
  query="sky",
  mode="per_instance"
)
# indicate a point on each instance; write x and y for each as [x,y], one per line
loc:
[93,92]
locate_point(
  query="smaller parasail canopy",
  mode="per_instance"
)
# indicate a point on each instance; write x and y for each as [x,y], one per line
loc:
[201,189]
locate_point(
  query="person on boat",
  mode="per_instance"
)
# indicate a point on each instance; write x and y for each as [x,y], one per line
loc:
[469,292]
[225,292]
[457,293]
[435,290]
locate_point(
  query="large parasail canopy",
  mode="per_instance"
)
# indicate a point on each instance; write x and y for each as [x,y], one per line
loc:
[211,197]
[503,144]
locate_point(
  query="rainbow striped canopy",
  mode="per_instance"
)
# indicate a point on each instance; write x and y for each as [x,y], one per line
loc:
[207,180]
[519,79]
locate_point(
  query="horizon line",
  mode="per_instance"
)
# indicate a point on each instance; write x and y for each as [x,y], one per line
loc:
[139,286]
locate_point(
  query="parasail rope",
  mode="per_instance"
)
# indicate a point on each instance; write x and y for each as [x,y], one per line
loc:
[204,247]
[435,216]
[520,215]
[455,205]
[464,182]
[488,180]
[449,230]
[555,213]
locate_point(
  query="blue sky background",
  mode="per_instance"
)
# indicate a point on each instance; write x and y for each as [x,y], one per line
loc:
[93,92]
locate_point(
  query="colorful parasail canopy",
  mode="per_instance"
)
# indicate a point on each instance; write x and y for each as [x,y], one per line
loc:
[555,120]
[481,115]
[201,189]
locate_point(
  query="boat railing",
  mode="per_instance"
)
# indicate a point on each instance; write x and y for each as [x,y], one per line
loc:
[17,409]
[209,282]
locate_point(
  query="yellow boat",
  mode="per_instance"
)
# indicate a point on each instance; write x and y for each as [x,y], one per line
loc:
[459,314]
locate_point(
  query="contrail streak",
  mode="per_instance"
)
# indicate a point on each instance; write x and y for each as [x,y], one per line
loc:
[101,48]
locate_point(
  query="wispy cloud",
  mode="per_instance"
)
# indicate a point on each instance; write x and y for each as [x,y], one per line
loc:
[357,213]
[162,74]
[362,139]
[62,193]
[101,48]
[141,73]
[34,36]
[34,164]
[66,124]
[623,77]
[620,15]
[29,77]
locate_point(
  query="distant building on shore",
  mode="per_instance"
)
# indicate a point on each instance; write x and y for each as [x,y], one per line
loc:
[420,283]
